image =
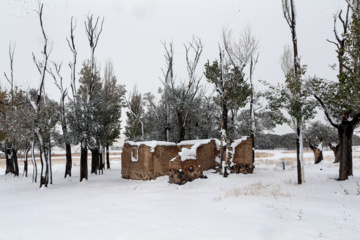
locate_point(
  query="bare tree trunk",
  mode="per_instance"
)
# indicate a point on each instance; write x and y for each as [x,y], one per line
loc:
[49,163]
[101,163]
[44,177]
[15,161]
[68,160]
[345,132]
[34,178]
[9,164]
[94,160]
[299,154]
[107,156]
[25,174]
[83,161]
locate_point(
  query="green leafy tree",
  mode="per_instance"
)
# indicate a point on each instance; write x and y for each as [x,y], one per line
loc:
[294,95]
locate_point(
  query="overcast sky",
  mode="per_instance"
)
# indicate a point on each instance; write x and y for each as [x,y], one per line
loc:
[133,31]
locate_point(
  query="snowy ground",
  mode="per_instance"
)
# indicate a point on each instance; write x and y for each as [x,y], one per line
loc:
[265,205]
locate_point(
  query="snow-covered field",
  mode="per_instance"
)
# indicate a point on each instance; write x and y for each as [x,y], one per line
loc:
[265,205]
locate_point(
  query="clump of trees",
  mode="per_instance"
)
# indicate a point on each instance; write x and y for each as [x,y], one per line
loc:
[340,99]
[91,116]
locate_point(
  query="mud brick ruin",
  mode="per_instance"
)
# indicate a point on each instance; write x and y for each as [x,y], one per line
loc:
[240,156]
[185,161]
[146,160]
[195,157]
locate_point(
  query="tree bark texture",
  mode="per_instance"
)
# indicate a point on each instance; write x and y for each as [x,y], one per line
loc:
[107,156]
[68,160]
[44,176]
[101,161]
[95,163]
[345,132]
[48,161]
[9,165]
[25,174]
[34,178]
[83,162]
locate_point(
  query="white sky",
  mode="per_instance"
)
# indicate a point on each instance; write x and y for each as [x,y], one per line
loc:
[133,31]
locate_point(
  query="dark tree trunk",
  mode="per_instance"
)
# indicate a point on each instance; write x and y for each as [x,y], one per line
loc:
[318,154]
[26,162]
[345,132]
[107,156]
[83,162]
[298,156]
[68,160]
[15,162]
[9,164]
[49,164]
[253,148]
[101,163]
[95,164]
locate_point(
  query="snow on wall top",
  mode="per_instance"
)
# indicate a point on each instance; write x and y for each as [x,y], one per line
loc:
[238,141]
[151,144]
[194,142]
[187,154]
[233,146]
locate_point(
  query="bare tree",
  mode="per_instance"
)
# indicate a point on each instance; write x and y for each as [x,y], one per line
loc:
[168,80]
[10,153]
[42,68]
[72,64]
[182,96]
[135,104]
[58,80]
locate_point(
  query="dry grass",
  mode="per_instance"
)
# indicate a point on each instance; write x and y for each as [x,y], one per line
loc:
[294,151]
[257,189]
[263,155]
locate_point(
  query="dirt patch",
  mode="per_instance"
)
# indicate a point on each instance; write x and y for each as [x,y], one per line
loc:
[263,155]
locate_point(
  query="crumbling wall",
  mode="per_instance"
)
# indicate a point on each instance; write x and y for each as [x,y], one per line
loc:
[162,156]
[143,168]
[194,158]
[240,156]
[146,160]
[181,172]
